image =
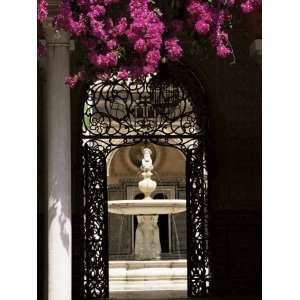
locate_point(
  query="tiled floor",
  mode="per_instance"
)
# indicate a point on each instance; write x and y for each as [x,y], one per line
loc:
[162,295]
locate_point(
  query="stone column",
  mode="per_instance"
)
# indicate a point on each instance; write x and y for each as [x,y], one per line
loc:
[58,131]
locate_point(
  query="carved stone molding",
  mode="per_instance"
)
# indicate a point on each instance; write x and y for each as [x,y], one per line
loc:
[55,37]
[53,7]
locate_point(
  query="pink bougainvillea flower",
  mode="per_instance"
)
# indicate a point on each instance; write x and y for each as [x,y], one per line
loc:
[71,81]
[120,27]
[103,60]
[174,50]
[148,69]
[140,46]
[42,10]
[153,57]
[202,27]
[123,74]
[97,10]
[129,43]
[223,51]
[249,5]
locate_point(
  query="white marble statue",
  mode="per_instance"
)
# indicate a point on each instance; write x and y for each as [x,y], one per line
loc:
[147,185]
[147,242]
[147,161]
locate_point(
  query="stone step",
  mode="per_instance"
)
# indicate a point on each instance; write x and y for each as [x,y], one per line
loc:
[142,295]
[148,275]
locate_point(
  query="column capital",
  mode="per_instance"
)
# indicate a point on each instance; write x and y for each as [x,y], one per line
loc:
[55,37]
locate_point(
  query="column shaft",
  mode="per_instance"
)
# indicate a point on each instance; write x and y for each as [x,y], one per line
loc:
[58,166]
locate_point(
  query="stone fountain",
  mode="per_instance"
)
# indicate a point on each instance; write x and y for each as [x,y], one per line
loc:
[147,210]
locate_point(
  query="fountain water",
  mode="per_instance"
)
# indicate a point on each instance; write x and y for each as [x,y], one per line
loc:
[120,233]
[176,235]
[147,242]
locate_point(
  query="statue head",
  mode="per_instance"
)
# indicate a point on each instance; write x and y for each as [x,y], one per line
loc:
[147,153]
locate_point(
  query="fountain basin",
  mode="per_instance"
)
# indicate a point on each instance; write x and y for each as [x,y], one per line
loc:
[147,206]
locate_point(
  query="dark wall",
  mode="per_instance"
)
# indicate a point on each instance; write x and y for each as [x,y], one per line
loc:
[237,260]
[77,99]
[234,104]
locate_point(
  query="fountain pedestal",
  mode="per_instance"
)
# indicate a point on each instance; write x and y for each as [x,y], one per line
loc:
[147,242]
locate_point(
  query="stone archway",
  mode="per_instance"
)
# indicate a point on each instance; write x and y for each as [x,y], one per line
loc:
[166,109]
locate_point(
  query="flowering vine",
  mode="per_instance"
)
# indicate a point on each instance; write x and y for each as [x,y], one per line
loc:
[130,40]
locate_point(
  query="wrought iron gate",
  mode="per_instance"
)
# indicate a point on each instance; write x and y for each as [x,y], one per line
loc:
[167,109]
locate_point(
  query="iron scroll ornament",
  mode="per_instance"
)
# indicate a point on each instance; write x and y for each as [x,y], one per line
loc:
[95,285]
[199,273]
[156,109]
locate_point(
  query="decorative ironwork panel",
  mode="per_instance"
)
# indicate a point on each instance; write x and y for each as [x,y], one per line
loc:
[95,224]
[155,108]
[199,274]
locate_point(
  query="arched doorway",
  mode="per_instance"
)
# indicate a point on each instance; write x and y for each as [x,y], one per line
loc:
[166,109]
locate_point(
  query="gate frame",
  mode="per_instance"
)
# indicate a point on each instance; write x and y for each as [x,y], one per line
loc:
[198,269]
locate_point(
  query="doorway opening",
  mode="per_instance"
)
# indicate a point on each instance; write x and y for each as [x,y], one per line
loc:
[173,115]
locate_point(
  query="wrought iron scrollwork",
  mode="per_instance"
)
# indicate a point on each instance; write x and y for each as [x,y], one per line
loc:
[152,108]
[199,274]
[95,224]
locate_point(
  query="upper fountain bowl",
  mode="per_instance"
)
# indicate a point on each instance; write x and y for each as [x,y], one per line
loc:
[147,206]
